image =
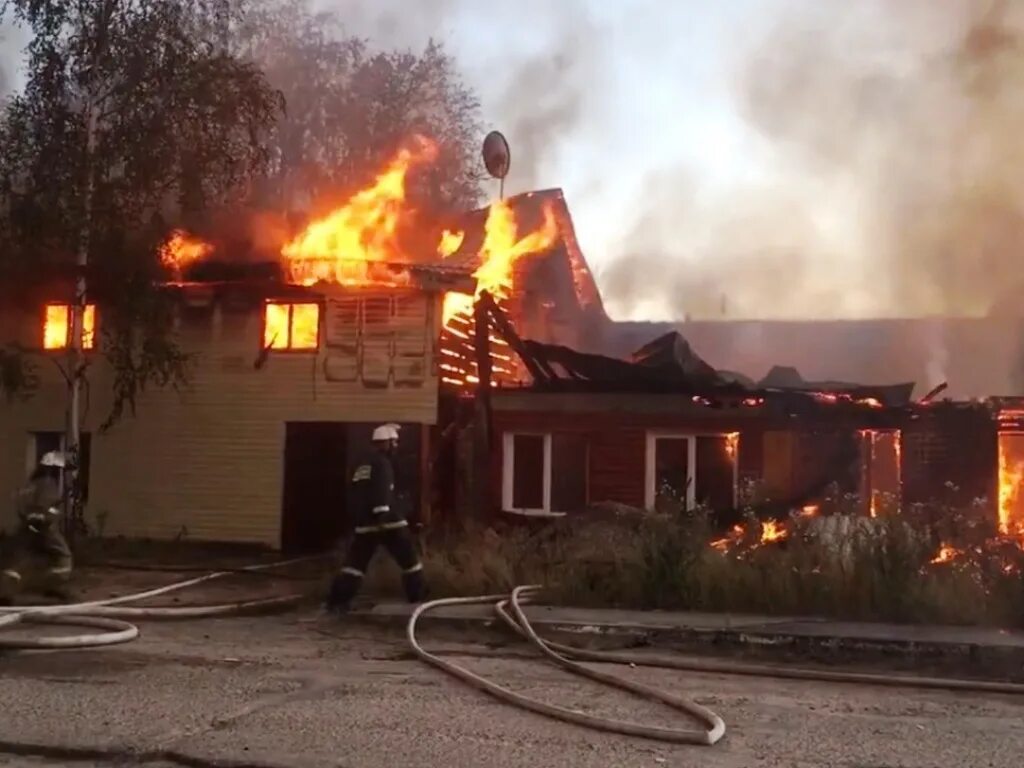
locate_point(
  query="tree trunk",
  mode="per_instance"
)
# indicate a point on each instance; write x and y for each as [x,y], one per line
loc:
[74,522]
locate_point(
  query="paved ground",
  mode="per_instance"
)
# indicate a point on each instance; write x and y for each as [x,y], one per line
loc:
[288,691]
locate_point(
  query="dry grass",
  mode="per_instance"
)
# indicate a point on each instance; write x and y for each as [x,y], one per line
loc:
[848,567]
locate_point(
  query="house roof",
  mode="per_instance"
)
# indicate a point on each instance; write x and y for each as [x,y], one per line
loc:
[669,365]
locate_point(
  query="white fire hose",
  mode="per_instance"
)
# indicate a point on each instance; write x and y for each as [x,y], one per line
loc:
[110,615]
[713,725]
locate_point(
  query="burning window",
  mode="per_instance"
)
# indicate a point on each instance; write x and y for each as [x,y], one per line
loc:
[291,326]
[544,472]
[57,327]
[881,476]
[1011,485]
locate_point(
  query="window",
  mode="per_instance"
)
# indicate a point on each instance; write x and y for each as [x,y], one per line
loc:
[44,442]
[544,472]
[57,326]
[691,469]
[291,326]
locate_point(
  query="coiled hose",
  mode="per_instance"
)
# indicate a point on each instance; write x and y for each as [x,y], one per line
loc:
[110,615]
[713,727]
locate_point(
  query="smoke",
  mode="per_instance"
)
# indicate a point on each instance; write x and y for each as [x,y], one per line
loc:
[541,97]
[898,186]
[913,110]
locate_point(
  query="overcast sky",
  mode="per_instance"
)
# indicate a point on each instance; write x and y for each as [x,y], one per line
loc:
[743,157]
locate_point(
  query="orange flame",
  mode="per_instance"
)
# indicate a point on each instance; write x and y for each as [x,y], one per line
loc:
[356,243]
[450,243]
[501,249]
[772,531]
[181,250]
[947,554]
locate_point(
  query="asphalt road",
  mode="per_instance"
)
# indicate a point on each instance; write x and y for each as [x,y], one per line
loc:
[288,691]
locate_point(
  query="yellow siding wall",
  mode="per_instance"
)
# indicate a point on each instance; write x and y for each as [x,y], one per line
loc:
[208,463]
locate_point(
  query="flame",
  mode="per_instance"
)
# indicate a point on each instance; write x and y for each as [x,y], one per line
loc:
[57,326]
[356,243]
[810,510]
[181,250]
[502,248]
[947,554]
[732,444]
[734,535]
[772,531]
[1011,476]
[450,243]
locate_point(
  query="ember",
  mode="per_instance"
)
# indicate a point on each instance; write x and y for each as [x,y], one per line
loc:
[358,244]
[947,554]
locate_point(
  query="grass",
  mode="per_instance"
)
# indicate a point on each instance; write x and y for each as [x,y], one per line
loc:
[837,564]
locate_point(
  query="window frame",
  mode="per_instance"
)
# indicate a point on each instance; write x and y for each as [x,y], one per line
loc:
[651,468]
[67,335]
[508,473]
[289,349]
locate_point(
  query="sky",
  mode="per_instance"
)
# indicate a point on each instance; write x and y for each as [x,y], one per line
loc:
[752,158]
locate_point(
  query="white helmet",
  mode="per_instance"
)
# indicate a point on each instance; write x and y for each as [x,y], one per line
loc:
[385,432]
[53,459]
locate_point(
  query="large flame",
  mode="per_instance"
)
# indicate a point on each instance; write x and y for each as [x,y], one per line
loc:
[356,243]
[501,249]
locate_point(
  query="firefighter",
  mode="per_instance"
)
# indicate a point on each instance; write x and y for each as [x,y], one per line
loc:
[378,522]
[41,559]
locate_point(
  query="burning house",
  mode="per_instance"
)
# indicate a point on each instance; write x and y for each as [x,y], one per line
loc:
[294,360]
[472,329]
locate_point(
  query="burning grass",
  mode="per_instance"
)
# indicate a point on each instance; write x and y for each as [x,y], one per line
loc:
[834,563]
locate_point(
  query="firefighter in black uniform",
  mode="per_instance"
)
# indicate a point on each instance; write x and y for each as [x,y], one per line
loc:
[41,559]
[378,521]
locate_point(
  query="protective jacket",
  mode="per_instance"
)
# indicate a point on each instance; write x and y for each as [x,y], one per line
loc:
[40,558]
[40,515]
[373,491]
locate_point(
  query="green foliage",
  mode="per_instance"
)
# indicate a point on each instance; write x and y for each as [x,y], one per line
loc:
[134,119]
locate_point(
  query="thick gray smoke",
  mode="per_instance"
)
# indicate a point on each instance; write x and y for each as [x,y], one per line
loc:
[895,128]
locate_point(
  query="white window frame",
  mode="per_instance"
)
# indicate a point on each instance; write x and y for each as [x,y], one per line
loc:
[650,465]
[508,474]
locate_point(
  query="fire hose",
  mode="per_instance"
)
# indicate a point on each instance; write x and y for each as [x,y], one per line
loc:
[570,658]
[112,615]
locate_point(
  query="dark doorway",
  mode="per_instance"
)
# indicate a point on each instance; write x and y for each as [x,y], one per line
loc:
[313,509]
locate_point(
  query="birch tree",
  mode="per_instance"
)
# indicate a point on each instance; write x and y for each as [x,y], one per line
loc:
[134,118]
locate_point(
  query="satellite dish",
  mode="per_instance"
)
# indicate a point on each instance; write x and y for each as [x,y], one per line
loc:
[497,155]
